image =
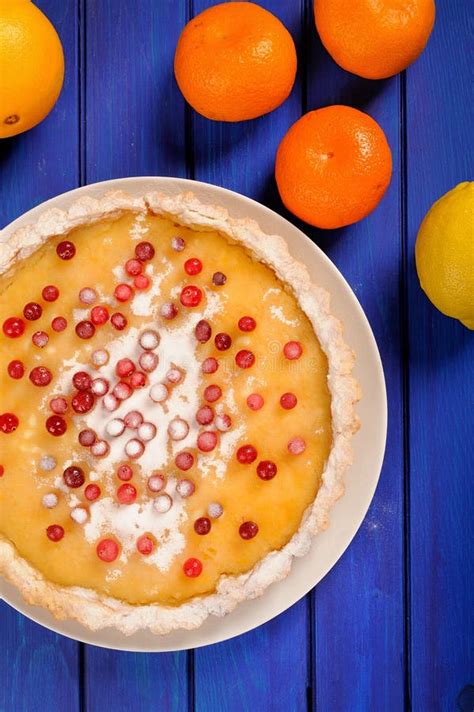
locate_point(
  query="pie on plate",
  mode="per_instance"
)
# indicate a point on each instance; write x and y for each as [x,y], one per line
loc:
[176,411]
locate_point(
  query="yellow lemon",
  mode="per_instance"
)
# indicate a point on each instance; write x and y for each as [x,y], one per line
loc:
[444,254]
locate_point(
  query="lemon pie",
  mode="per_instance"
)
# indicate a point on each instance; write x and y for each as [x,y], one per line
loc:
[176,411]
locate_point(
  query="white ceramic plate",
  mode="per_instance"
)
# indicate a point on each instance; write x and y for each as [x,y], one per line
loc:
[369,443]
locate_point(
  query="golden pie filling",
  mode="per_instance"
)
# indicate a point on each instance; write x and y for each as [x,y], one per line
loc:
[164,410]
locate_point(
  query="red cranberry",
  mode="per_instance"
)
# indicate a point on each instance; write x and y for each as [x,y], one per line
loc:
[266,470]
[58,405]
[8,423]
[205,415]
[296,446]
[144,251]
[288,401]
[255,401]
[66,250]
[13,327]
[138,380]
[245,359]
[246,454]
[32,311]
[123,292]
[50,293]
[40,339]
[219,279]
[192,567]
[248,530]
[212,393]
[222,342]
[119,321]
[55,532]
[41,376]
[107,550]
[2,470]
[168,310]
[92,492]
[82,381]
[247,323]
[73,476]
[133,267]
[210,365]
[56,425]
[99,315]
[126,494]
[85,329]
[190,296]
[59,323]
[207,441]
[203,331]
[202,526]
[124,473]
[16,369]
[223,422]
[87,437]
[292,350]
[141,281]
[125,367]
[82,402]
[184,461]
[193,266]
[145,545]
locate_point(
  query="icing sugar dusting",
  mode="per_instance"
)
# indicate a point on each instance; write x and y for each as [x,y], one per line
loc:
[143,301]
[277,313]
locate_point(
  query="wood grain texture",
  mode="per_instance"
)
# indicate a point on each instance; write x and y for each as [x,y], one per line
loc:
[38,669]
[441,380]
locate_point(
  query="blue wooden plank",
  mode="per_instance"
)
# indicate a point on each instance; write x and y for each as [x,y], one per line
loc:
[358,610]
[38,669]
[439,104]
[266,669]
[133,124]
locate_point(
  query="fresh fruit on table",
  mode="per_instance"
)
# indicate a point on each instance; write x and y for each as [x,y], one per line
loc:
[333,166]
[31,66]
[374,39]
[235,61]
[444,254]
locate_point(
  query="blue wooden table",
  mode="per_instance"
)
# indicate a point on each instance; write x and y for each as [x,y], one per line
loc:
[391,626]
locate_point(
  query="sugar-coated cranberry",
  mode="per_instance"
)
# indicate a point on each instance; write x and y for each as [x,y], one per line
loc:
[145,545]
[66,250]
[100,448]
[55,532]
[73,476]
[87,437]
[8,423]
[202,526]
[296,446]
[215,510]
[168,310]
[58,405]
[110,402]
[87,295]
[133,419]
[40,339]
[219,279]
[13,327]
[126,493]
[92,492]
[115,427]
[207,441]
[156,482]
[178,429]
[144,251]
[107,550]
[185,488]
[99,386]
[255,401]
[125,367]
[212,393]
[266,470]
[193,266]
[16,369]
[205,415]
[223,422]
[141,281]
[50,293]
[82,402]
[203,331]
[178,244]
[99,315]
[184,461]
[248,530]
[32,311]
[133,267]
[163,503]
[123,292]
[122,390]
[288,401]
[245,359]
[85,329]
[56,425]
[222,341]
[118,321]
[246,454]
[134,449]
[146,431]
[210,365]
[190,296]
[148,361]
[292,350]
[247,323]
[59,323]
[192,567]
[40,376]
[124,473]
[149,339]
[174,375]
[82,381]
[138,380]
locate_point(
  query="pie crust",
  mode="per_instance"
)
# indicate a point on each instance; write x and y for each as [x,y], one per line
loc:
[96,611]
